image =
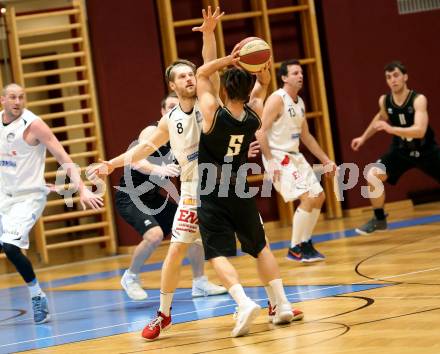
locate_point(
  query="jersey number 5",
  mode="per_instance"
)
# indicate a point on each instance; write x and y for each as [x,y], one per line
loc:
[235,145]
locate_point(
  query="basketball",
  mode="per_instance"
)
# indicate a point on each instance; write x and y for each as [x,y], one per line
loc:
[254,54]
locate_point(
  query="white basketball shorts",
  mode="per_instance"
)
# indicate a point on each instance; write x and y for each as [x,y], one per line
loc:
[186,223]
[297,176]
[18,214]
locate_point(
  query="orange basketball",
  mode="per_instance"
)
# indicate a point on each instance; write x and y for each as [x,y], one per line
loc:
[254,54]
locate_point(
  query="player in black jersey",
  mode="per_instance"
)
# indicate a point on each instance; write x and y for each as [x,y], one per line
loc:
[403,114]
[226,212]
[152,214]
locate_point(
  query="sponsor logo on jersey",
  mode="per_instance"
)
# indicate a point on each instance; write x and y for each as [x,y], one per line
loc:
[190,201]
[13,232]
[296,136]
[188,216]
[7,163]
[193,156]
[147,222]
[10,137]
[390,111]
[198,116]
[410,110]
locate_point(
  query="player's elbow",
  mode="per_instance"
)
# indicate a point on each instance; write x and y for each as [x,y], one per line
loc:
[201,73]
[420,132]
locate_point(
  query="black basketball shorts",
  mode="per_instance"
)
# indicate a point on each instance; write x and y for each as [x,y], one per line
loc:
[144,218]
[221,220]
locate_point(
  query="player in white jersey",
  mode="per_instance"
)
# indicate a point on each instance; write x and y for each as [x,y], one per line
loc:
[24,138]
[181,127]
[154,225]
[283,125]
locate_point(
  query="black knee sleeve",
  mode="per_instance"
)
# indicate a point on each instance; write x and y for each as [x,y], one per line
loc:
[20,261]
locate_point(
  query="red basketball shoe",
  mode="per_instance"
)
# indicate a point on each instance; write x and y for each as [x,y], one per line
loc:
[158,324]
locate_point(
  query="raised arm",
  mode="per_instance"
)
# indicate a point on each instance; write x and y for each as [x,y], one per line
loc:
[259,92]
[41,132]
[206,94]
[356,143]
[209,48]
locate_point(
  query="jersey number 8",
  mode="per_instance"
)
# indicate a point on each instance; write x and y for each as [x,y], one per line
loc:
[179,128]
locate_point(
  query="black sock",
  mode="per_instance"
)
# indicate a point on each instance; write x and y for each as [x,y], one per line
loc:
[20,261]
[379,213]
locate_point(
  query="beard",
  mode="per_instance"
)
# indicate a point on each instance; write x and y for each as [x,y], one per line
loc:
[187,92]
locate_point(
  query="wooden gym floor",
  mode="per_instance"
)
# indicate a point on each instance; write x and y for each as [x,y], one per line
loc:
[376,293]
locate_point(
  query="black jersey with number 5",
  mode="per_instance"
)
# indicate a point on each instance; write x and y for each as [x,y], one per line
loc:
[228,140]
[403,116]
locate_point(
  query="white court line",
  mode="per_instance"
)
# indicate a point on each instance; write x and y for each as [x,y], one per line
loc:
[217,307]
[55,314]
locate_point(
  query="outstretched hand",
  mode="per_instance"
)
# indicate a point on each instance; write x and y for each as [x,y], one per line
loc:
[170,170]
[101,169]
[209,20]
[87,197]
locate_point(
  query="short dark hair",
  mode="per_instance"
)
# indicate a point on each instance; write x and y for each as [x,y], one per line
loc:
[169,73]
[395,65]
[238,84]
[164,100]
[284,68]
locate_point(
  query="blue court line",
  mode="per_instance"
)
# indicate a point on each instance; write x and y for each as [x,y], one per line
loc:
[352,233]
[274,246]
[107,312]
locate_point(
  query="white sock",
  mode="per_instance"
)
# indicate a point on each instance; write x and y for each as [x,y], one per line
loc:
[278,290]
[238,294]
[310,226]
[202,278]
[130,273]
[165,303]
[300,220]
[270,295]
[35,289]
